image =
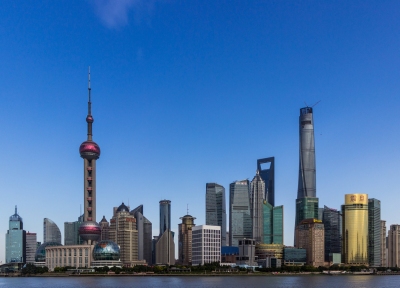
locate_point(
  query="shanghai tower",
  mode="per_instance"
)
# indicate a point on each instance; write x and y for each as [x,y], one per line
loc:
[306,202]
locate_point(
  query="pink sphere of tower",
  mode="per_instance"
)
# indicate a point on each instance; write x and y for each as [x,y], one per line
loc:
[90,230]
[89,150]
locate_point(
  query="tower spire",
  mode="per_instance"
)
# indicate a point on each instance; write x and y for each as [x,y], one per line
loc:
[89,118]
[89,90]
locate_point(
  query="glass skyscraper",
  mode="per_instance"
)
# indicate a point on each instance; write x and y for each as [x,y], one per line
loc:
[15,239]
[71,232]
[355,229]
[374,232]
[216,208]
[240,225]
[272,224]
[165,216]
[51,232]
[257,193]
[266,168]
[331,219]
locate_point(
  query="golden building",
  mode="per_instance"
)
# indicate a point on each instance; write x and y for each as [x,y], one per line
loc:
[269,250]
[310,235]
[355,229]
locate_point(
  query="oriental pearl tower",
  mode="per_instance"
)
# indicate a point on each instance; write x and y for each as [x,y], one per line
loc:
[89,230]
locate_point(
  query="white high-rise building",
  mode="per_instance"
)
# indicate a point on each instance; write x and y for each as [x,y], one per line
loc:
[206,244]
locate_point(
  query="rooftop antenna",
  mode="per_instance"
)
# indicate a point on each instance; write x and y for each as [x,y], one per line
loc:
[89,90]
[80,210]
[306,103]
[316,103]
[187,209]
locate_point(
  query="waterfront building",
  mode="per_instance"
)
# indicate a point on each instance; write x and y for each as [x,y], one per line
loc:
[394,246]
[89,230]
[266,168]
[310,236]
[71,232]
[165,249]
[263,251]
[165,216]
[293,256]
[145,230]
[331,219]
[31,246]
[355,229]
[240,225]
[51,232]
[105,229]
[306,208]
[123,232]
[374,233]
[216,208]
[185,240]
[383,244]
[257,193]
[229,254]
[247,252]
[272,224]
[40,255]
[206,244]
[15,239]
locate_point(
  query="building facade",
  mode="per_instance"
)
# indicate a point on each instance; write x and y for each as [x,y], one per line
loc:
[394,246]
[185,240]
[105,229]
[51,232]
[165,216]
[293,256]
[206,244]
[266,168]
[331,219]
[272,224]
[383,244]
[165,249]
[240,224]
[15,239]
[374,233]
[247,252]
[355,229]
[31,246]
[257,193]
[145,233]
[216,208]
[71,232]
[310,236]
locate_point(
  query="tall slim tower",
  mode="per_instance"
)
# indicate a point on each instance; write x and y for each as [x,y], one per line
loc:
[266,168]
[257,192]
[165,216]
[90,152]
[216,208]
[307,201]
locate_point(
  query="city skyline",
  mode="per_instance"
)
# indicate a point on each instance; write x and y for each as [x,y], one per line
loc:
[173,89]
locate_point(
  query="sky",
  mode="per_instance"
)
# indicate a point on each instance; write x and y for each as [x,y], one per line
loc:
[190,92]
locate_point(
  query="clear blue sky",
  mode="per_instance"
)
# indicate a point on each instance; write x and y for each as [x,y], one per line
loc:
[189,92]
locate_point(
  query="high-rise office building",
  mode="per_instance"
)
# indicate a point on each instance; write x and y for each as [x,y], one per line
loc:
[240,225]
[123,232]
[383,244]
[89,150]
[374,233]
[105,229]
[185,240]
[165,216]
[31,246]
[145,230]
[272,224]
[310,236]
[206,245]
[266,168]
[51,232]
[331,219]
[306,202]
[393,254]
[257,193]
[216,208]
[165,249]
[71,232]
[355,229]
[15,239]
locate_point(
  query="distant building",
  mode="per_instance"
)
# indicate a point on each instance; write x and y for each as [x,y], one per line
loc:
[229,254]
[383,244]
[105,229]
[145,232]
[51,232]
[355,229]
[332,225]
[393,246]
[257,193]
[15,239]
[185,240]
[374,233]
[266,168]
[165,216]
[310,236]
[247,252]
[123,232]
[263,251]
[240,224]
[165,249]
[293,256]
[206,245]
[71,232]
[272,224]
[216,208]
[31,246]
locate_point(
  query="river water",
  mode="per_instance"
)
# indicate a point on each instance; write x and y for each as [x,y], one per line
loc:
[341,281]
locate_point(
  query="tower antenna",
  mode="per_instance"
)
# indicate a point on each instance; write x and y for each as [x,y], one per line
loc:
[316,103]
[306,103]
[187,209]
[89,90]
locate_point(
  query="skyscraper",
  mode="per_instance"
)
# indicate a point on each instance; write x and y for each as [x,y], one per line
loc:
[383,244]
[165,216]
[51,232]
[144,227]
[393,246]
[332,222]
[89,150]
[374,232]
[257,194]
[71,232]
[165,246]
[216,208]
[272,224]
[240,225]
[355,229]
[306,203]
[266,168]
[206,245]
[185,240]
[310,235]
[31,246]
[15,239]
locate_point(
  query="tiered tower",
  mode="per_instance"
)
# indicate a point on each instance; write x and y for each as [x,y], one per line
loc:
[89,230]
